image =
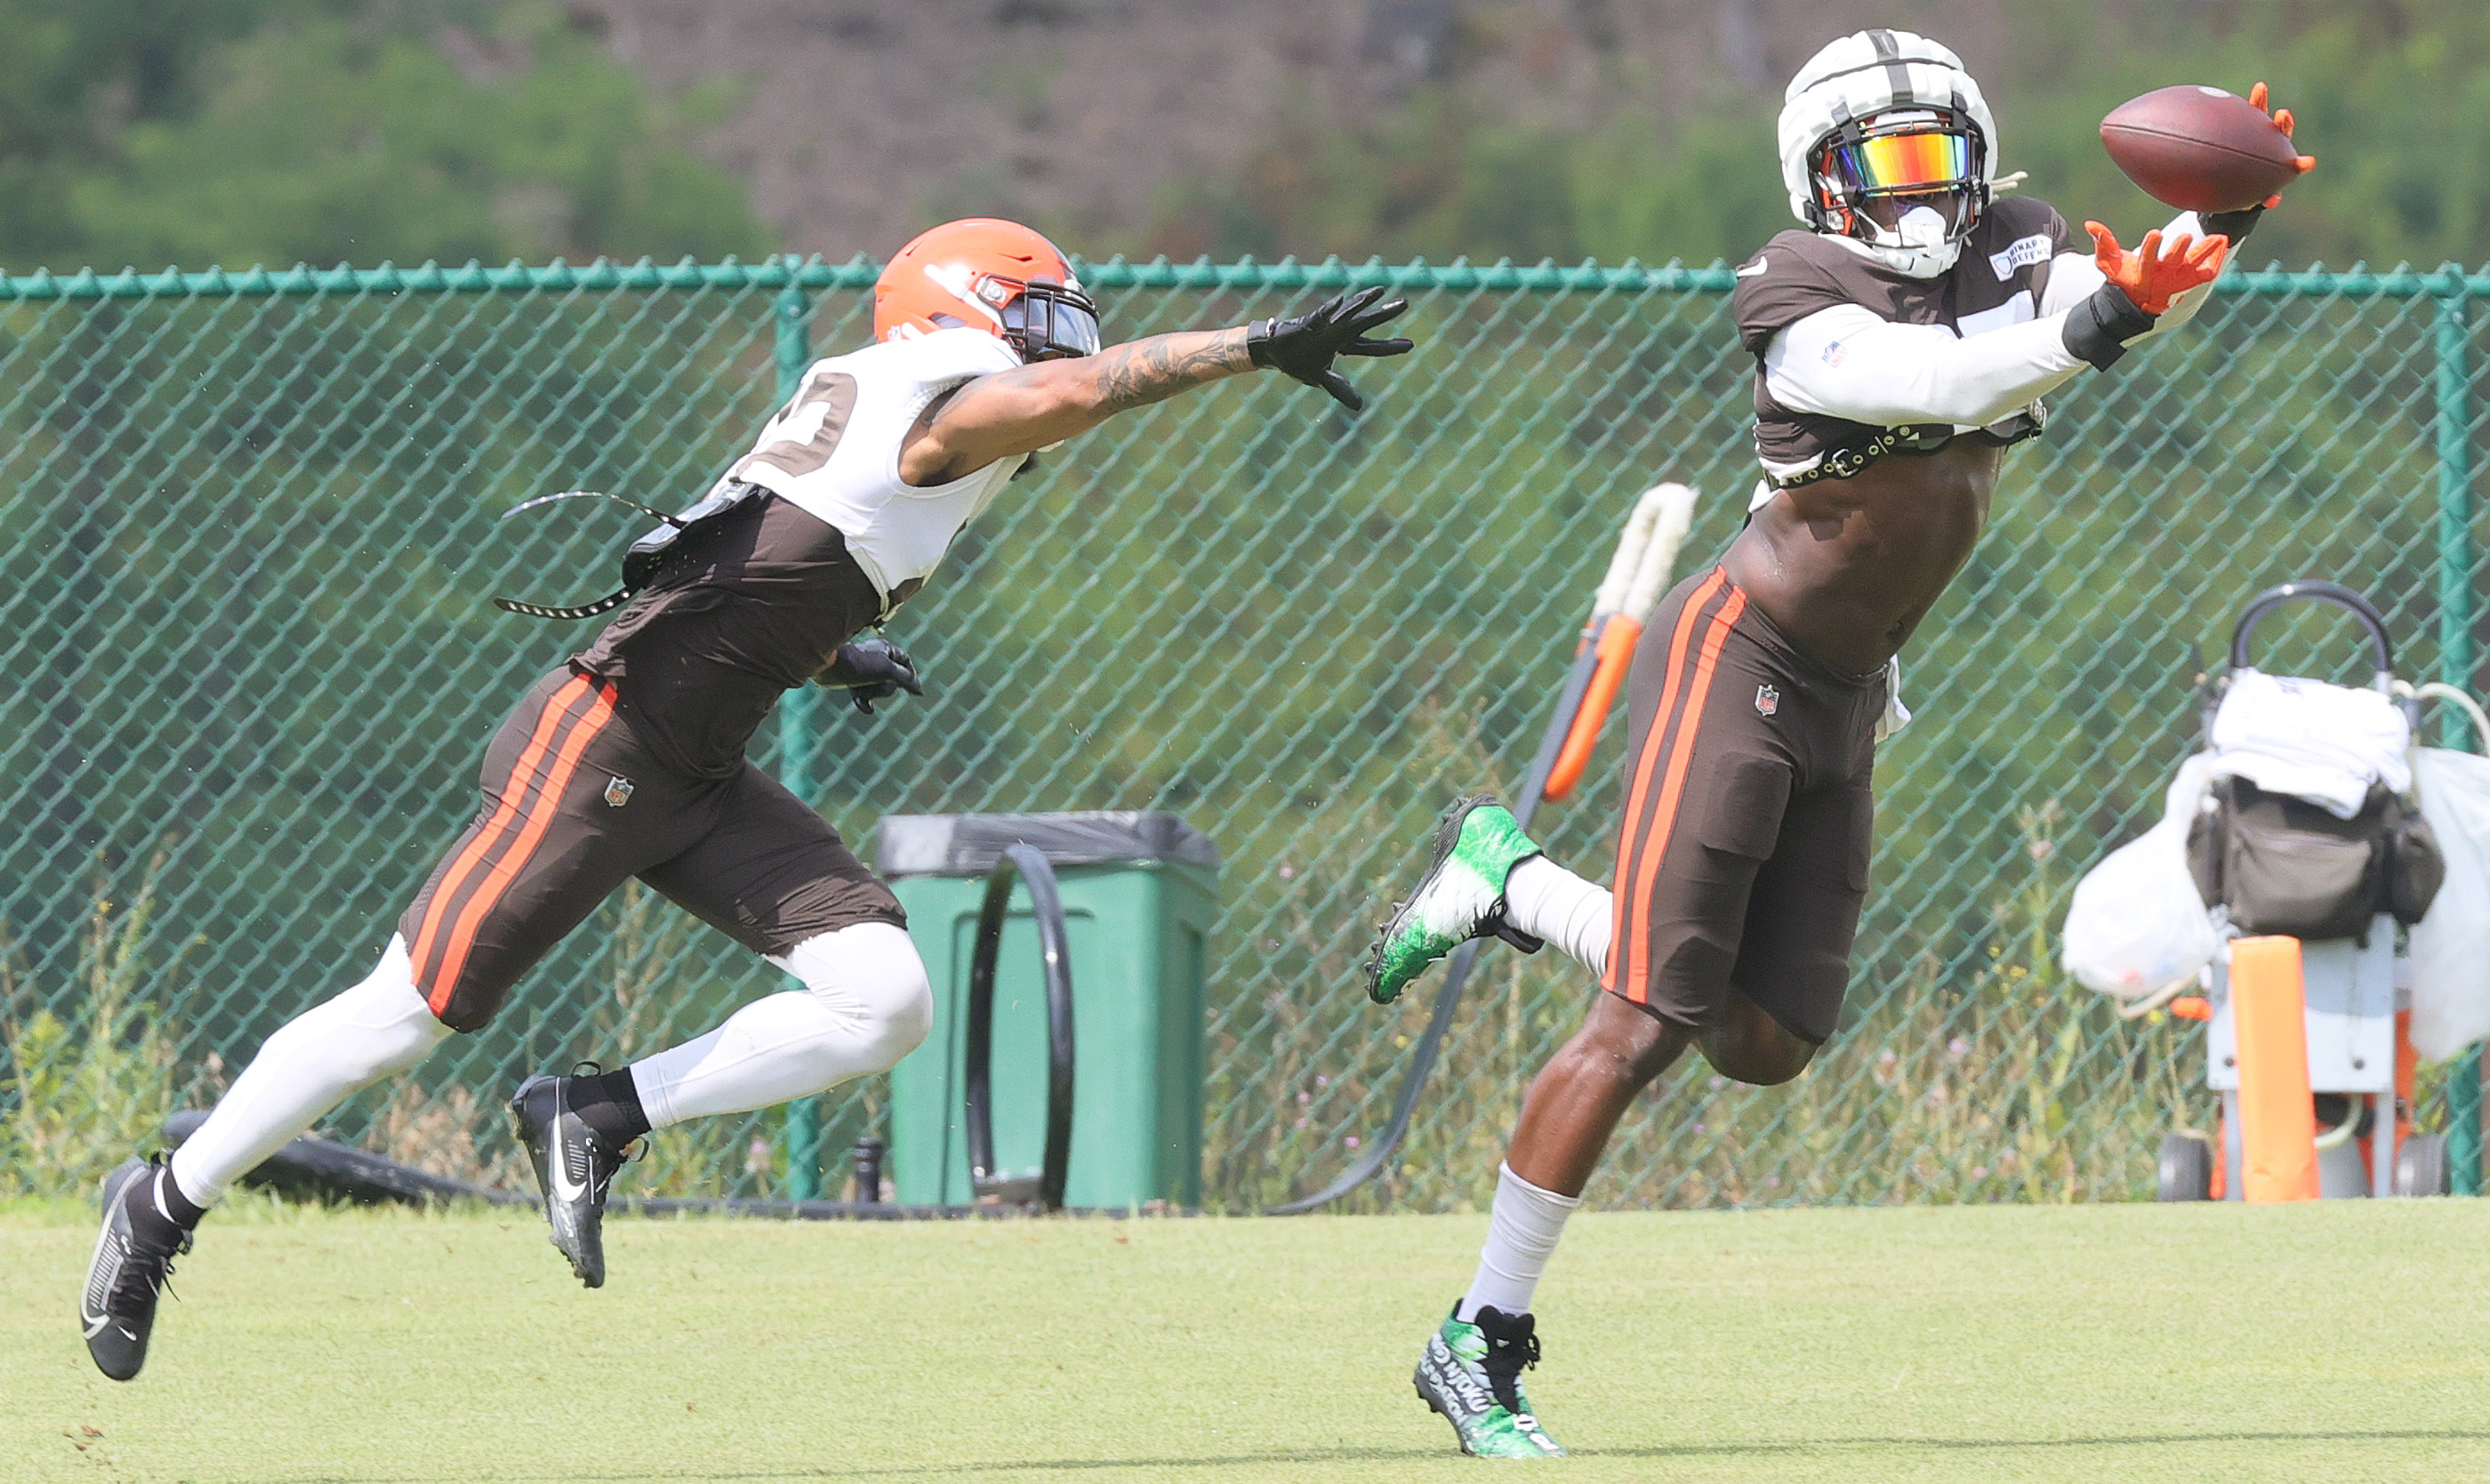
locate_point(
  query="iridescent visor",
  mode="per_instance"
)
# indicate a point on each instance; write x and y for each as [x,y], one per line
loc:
[1902,162]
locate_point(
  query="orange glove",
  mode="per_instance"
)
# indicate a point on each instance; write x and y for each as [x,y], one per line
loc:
[2152,275]
[2283,120]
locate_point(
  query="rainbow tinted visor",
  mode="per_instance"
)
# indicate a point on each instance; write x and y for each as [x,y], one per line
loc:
[1888,164]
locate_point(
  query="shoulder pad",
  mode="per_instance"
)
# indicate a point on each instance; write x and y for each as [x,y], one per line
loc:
[1793,278]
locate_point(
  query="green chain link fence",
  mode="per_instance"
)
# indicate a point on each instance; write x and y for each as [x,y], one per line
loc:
[251,526]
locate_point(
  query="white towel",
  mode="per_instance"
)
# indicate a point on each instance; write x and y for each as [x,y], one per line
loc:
[2324,744]
[1897,715]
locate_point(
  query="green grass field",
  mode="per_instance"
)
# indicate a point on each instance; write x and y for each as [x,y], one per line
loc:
[2340,1341]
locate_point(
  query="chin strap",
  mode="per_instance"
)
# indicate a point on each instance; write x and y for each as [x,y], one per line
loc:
[1906,261]
[1884,256]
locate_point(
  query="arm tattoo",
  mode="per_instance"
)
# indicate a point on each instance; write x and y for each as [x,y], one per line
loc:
[992,417]
[1141,372]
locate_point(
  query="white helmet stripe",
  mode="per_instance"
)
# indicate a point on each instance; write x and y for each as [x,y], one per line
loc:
[960,285]
[1864,74]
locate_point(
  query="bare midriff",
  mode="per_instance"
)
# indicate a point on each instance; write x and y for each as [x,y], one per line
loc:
[1848,567]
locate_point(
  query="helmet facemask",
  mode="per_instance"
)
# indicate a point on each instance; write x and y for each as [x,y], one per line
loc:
[1050,322]
[1909,184]
[1040,320]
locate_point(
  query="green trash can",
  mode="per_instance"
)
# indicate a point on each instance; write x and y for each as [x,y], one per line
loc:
[1139,892]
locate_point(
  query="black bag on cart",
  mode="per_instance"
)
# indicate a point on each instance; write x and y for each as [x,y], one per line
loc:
[2281,864]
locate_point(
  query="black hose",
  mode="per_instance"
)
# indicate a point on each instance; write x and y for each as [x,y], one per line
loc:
[1379,1155]
[1029,867]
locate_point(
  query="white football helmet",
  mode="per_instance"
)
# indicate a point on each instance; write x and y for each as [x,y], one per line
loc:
[1886,143]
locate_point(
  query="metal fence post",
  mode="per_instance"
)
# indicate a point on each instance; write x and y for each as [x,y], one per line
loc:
[2456,649]
[797,720]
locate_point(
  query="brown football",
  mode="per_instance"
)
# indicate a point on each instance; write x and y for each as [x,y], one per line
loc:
[2199,149]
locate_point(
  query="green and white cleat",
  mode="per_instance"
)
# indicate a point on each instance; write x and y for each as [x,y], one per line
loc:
[1471,1374]
[1478,843]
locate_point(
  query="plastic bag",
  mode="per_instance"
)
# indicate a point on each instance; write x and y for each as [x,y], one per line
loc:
[2136,925]
[2451,944]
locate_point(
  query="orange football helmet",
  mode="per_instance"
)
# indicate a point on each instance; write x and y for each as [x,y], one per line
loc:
[984,274]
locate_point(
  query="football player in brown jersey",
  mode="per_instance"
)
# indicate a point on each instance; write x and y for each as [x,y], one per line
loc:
[1902,342]
[628,760]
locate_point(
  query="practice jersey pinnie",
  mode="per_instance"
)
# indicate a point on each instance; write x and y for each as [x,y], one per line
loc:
[2002,279]
[829,541]
[833,451]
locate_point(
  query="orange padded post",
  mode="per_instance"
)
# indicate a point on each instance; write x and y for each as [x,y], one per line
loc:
[1617,637]
[2277,1113]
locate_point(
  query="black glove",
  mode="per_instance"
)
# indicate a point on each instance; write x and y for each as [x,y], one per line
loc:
[1305,346]
[870,669]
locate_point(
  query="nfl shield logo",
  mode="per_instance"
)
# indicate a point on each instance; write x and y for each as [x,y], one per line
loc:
[617,793]
[1767,700]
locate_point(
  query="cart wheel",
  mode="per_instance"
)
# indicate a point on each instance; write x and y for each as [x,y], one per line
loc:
[2187,1168]
[2420,1166]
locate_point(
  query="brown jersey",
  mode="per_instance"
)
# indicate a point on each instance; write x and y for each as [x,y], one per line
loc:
[757,608]
[2000,279]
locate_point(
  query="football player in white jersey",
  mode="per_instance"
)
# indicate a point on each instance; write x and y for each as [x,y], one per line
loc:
[1903,344]
[628,760]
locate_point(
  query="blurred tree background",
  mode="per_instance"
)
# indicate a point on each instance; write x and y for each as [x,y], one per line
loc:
[148,132]
[239,132]
[2392,95]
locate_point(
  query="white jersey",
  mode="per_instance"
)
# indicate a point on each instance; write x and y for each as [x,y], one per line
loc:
[833,451]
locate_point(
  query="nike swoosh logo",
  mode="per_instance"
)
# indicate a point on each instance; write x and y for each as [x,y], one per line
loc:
[1751,270]
[564,1188]
[95,1319]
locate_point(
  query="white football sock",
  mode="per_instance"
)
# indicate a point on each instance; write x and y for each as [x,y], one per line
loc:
[1521,1232]
[865,1004]
[1546,900]
[313,1063]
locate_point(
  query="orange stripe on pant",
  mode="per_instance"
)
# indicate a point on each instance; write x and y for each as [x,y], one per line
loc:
[549,721]
[1655,745]
[505,870]
[1637,986]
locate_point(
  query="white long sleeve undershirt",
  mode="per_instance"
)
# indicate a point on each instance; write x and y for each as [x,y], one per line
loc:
[1852,364]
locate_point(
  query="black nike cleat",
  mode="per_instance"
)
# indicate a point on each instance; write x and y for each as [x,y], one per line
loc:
[134,1259]
[574,1168]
